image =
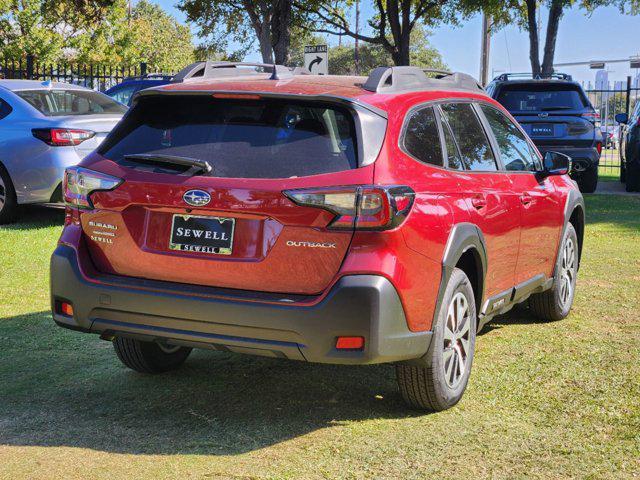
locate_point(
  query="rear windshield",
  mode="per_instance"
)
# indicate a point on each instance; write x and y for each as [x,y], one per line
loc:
[266,138]
[54,103]
[542,97]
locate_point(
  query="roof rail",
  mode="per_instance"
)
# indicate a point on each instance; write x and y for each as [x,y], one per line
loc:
[555,75]
[403,79]
[150,76]
[209,69]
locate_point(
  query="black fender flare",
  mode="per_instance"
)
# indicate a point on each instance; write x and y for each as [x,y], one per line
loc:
[574,200]
[462,238]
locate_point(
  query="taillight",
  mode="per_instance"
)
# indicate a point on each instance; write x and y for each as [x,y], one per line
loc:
[592,116]
[599,147]
[361,207]
[79,183]
[62,137]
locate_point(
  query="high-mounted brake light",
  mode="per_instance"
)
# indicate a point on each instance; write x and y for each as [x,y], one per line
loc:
[79,183]
[236,96]
[62,137]
[360,206]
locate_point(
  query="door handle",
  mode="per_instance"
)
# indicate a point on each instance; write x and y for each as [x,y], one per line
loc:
[526,199]
[479,202]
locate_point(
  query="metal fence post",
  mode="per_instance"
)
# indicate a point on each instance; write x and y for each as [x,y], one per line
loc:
[143,69]
[628,100]
[30,66]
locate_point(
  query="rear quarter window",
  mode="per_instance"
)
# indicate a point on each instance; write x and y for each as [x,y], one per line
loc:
[266,138]
[421,137]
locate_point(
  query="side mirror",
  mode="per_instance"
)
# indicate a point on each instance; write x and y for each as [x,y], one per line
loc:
[622,118]
[556,163]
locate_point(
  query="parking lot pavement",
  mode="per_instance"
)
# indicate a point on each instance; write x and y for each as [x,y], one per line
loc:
[613,188]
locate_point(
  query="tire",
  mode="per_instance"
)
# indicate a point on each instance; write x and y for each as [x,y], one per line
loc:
[632,177]
[435,386]
[149,357]
[555,303]
[623,174]
[589,181]
[8,201]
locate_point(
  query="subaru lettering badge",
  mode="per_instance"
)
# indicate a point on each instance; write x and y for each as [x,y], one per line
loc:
[196,198]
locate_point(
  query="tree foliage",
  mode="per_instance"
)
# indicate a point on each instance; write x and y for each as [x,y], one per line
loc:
[391,26]
[270,22]
[93,31]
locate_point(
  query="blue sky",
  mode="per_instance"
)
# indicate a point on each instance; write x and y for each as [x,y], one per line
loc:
[606,34]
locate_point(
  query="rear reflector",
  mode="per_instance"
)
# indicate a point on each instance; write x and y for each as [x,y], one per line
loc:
[350,343]
[64,308]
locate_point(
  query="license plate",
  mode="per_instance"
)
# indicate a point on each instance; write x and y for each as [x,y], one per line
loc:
[202,234]
[542,130]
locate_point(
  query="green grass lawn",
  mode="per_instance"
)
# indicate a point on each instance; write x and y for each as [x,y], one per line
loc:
[545,400]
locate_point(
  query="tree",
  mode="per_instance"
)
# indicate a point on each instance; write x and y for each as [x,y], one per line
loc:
[391,26]
[525,13]
[243,21]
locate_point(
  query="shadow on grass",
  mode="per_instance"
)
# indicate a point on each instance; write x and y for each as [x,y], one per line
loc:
[35,216]
[62,388]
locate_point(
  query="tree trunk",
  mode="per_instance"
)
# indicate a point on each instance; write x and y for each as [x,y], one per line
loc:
[281,31]
[555,14]
[534,41]
[260,17]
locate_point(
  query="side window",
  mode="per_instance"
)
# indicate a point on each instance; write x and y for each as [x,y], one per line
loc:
[475,150]
[124,94]
[421,138]
[5,109]
[515,150]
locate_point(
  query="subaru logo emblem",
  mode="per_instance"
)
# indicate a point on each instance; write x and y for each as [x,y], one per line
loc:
[196,198]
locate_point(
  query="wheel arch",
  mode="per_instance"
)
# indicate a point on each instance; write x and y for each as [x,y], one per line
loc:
[574,215]
[465,249]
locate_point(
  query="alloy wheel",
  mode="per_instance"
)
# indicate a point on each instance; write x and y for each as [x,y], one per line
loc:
[457,340]
[567,272]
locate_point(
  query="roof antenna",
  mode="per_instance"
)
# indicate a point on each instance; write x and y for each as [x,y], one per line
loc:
[274,75]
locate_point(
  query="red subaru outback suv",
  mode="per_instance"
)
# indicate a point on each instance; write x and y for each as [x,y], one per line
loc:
[325,219]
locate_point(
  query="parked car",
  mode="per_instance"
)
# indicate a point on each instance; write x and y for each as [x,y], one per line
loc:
[557,115]
[326,219]
[44,128]
[630,149]
[123,92]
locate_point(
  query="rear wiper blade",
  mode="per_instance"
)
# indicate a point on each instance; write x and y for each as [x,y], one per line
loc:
[201,165]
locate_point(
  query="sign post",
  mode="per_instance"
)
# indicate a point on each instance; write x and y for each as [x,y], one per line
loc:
[316,59]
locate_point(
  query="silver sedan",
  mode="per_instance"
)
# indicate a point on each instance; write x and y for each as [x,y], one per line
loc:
[44,128]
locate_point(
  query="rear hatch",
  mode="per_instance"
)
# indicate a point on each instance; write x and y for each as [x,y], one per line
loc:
[554,114]
[231,227]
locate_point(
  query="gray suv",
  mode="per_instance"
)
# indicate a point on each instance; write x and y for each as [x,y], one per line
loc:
[557,115]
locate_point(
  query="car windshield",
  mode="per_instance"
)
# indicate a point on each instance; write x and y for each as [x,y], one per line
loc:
[239,138]
[542,97]
[54,103]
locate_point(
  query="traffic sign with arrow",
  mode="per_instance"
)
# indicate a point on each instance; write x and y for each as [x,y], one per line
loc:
[316,59]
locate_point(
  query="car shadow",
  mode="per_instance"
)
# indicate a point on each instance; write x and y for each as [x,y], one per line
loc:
[68,389]
[37,216]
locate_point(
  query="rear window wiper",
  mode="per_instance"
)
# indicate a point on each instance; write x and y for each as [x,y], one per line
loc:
[192,163]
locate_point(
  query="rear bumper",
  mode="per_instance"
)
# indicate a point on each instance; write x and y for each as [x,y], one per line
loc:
[582,159]
[358,305]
